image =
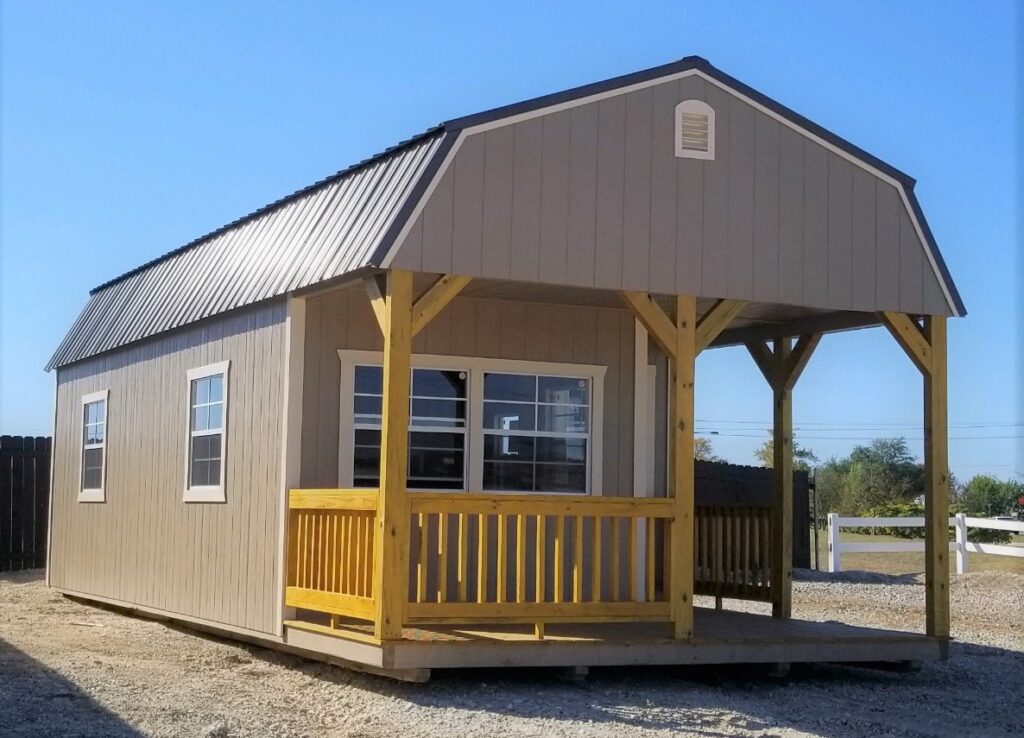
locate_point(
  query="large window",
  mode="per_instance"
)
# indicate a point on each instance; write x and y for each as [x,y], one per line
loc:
[536,430]
[207,419]
[437,428]
[94,447]
[478,424]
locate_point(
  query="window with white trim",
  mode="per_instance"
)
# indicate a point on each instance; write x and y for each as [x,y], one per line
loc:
[478,424]
[437,428]
[94,447]
[695,130]
[536,432]
[207,421]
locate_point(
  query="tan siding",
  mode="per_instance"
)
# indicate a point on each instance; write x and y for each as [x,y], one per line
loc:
[887,252]
[840,232]
[526,200]
[766,210]
[662,271]
[554,203]
[594,196]
[636,216]
[863,245]
[582,226]
[144,545]
[499,329]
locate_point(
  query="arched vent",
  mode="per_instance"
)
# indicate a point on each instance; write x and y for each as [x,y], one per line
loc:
[695,130]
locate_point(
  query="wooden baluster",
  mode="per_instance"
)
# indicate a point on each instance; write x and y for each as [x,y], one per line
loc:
[616,561]
[463,556]
[632,554]
[357,554]
[421,564]
[540,593]
[766,549]
[501,560]
[559,558]
[442,557]
[332,551]
[719,544]
[481,559]
[520,557]
[649,577]
[577,560]
[343,556]
[596,561]
[745,554]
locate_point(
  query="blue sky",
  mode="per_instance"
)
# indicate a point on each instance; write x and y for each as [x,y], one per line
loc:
[130,128]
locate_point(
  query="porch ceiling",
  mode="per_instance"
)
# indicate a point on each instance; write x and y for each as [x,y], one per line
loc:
[758,320]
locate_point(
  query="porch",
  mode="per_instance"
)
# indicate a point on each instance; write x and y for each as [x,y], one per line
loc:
[397,579]
[723,637]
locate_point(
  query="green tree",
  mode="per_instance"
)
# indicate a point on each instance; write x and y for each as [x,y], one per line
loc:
[986,495]
[803,458]
[703,450]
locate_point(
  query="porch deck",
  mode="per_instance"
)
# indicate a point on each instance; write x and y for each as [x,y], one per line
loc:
[721,637]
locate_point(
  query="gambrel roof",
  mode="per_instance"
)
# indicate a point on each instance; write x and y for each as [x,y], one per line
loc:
[373,215]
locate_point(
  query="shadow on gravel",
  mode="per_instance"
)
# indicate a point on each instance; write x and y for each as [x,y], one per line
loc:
[37,701]
[832,700]
[856,576]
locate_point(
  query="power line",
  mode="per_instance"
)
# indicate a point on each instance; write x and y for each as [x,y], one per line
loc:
[724,434]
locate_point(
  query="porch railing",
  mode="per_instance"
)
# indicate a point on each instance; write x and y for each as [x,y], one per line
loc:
[330,551]
[519,558]
[532,558]
[733,552]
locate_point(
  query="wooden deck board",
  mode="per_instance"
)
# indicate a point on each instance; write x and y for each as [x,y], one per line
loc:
[721,637]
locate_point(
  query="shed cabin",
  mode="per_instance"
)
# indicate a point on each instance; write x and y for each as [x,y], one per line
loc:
[437,410]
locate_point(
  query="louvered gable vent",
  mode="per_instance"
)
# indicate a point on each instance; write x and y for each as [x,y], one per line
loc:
[695,130]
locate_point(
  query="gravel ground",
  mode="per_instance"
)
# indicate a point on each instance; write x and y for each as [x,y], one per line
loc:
[68,669]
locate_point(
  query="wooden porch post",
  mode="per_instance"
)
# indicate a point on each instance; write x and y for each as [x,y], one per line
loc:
[936,475]
[781,368]
[926,346]
[682,538]
[782,505]
[391,544]
[682,340]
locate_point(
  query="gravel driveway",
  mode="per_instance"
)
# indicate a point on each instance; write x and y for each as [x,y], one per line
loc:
[68,669]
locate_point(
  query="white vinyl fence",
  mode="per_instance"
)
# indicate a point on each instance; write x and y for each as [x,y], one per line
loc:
[961,546]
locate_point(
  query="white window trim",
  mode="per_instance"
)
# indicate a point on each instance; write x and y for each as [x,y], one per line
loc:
[702,108]
[475,367]
[93,495]
[206,493]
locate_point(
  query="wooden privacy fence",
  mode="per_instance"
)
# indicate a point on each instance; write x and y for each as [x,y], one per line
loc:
[730,485]
[960,546]
[330,551]
[24,501]
[535,558]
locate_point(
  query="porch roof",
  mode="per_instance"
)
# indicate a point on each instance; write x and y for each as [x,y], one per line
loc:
[355,220]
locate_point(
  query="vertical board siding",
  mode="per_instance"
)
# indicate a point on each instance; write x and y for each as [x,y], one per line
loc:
[527,192]
[840,232]
[487,328]
[636,215]
[554,201]
[611,154]
[766,210]
[664,189]
[581,228]
[144,545]
[594,196]
[863,244]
